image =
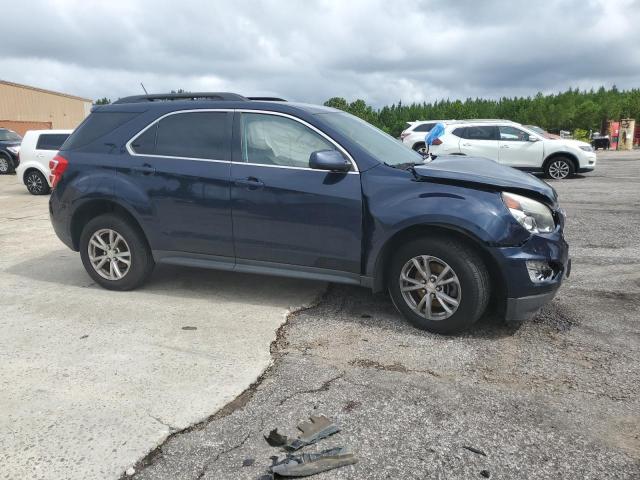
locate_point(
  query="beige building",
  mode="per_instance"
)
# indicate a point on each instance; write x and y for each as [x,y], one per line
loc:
[25,108]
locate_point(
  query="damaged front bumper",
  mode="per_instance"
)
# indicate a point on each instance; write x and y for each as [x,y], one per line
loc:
[525,295]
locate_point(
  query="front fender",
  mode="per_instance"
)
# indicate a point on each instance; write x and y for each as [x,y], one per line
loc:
[398,203]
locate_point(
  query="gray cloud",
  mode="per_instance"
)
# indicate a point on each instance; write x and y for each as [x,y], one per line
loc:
[311,50]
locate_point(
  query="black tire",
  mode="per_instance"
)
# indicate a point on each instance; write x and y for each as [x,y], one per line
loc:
[420,146]
[559,164]
[141,259]
[36,183]
[6,164]
[470,270]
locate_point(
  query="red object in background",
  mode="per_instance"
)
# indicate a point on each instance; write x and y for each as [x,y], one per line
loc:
[636,136]
[614,133]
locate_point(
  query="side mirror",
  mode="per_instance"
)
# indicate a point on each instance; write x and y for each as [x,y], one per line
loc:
[331,160]
[533,138]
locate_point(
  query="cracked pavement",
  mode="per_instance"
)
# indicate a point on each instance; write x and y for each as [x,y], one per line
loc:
[557,397]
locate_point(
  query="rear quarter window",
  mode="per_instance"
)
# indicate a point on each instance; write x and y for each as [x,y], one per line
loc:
[425,127]
[460,132]
[97,125]
[51,141]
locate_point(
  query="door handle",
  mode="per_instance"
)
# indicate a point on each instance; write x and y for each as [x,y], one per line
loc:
[466,144]
[504,146]
[251,183]
[146,169]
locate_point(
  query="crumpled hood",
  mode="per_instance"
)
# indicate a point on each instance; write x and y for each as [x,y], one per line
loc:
[484,173]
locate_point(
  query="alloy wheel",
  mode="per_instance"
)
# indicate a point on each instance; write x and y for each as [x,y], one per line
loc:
[109,254]
[34,183]
[430,287]
[4,165]
[559,169]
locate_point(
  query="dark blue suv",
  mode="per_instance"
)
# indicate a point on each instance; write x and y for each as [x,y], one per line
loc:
[259,185]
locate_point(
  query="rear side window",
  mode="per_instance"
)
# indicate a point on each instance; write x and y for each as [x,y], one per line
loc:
[425,127]
[51,141]
[482,133]
[192,135]
[95,126]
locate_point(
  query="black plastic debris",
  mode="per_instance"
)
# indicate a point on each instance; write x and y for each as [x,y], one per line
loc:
[305,464]
[247,462]
[474,450]
[317,428]
[275,439]
[485,473]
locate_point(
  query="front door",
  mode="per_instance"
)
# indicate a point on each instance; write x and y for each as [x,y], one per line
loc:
[480,141]
[517,151]
[182,165]
[283,211]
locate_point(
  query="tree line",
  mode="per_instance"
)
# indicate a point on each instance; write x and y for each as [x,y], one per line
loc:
[573,110]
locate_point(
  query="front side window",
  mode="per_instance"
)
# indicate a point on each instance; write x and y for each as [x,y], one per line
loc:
[512,134]
[280,141]
[194,135]
[51,141]
[481,133]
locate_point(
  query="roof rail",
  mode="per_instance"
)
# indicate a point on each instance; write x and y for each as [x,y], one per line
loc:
[181,96]
[267,99]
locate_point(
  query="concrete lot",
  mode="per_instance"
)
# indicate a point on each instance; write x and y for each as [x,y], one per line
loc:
[92,380]
[556,398]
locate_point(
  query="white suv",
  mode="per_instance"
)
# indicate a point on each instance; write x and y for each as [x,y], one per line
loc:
[37,149]
[413,135]
[517,146]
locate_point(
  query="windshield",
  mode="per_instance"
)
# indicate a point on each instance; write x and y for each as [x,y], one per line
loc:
[378,144]
[9,135]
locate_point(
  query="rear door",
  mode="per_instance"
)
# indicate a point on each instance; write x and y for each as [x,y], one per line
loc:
[517,151]
[284,212]
[480,141]
[181,163]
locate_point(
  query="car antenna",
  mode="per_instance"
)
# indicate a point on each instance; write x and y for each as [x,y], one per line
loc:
[145,90]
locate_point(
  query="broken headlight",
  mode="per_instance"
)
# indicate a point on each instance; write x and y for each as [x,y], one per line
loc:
[531,214]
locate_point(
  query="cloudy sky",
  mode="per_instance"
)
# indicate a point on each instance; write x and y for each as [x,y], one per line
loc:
[309,50]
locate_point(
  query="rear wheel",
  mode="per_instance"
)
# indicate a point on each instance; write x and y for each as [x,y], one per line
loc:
[559,168]
[439,285]
[115,253]
[6,166]
[36,183]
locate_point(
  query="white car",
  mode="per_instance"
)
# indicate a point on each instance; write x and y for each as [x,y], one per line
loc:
[413,135]
[37,149]
[517,146]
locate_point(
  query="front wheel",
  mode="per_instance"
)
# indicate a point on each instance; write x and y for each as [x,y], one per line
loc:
[559,168]
[115,253]
[421,148]
[439,285]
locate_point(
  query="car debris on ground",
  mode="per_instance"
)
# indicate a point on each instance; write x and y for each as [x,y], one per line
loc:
[306,464]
